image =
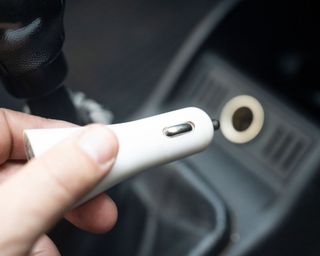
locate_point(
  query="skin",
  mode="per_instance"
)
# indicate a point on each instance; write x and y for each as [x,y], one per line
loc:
[35,195]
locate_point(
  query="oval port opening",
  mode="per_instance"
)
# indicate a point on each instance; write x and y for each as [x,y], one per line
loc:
[242,119]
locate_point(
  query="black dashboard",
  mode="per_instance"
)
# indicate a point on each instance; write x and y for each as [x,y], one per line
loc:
[251,64]
[256,68]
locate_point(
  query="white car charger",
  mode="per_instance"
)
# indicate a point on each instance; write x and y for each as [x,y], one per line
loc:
[143,143]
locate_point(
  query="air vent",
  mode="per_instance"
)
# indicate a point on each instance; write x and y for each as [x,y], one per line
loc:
[284,149]
[208,93]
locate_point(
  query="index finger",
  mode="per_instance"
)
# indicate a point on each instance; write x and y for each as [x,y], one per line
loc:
[12,124]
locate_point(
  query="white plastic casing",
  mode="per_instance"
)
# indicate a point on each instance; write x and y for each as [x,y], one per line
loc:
[142,143]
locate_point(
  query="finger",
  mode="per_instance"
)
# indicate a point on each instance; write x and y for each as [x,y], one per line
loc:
[20,121]
[11,129]
[41,192]
[44,247]
[98,215]
[8,169]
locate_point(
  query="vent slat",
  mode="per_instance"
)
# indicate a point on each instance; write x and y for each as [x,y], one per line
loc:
[273,141]
[283,146]
[198,95]
[219,95]
[283,149]
[294,155]
[209,94]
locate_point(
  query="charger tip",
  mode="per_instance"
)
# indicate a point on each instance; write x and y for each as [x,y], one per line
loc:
[216,124]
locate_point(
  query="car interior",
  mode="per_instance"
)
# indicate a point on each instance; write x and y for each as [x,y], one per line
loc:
[250,64]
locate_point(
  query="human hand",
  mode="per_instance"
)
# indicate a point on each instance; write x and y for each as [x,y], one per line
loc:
[35,195]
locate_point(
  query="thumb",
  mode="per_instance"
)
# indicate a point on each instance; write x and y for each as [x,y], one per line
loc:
[38,195]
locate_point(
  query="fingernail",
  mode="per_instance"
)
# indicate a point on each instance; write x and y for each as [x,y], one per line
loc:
[100,144]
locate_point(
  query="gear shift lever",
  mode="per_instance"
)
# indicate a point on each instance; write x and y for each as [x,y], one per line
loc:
[32,65]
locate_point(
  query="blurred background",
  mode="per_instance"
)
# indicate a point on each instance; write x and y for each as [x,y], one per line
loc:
[118,48]
[251,64]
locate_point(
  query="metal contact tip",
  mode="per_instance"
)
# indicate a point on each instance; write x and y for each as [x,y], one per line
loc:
[216,124]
